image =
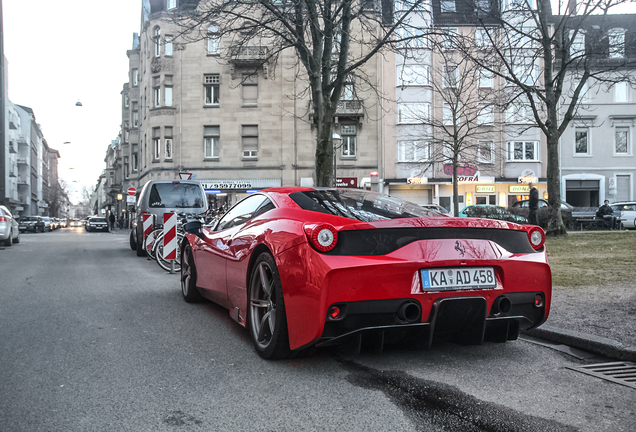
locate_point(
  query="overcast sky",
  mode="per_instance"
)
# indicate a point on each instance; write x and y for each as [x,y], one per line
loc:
[62,52]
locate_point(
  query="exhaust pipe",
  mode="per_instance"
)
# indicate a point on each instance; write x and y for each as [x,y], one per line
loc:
[501,305]
[409,312]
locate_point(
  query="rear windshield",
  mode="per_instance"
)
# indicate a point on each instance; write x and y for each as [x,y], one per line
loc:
[29,218]
[176,195]
[98,219]
[359,205]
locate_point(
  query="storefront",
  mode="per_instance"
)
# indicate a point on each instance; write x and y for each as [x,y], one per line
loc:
[224,193]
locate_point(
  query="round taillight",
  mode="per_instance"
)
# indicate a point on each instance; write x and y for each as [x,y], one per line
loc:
[538,300]
[536,237]
[324,237]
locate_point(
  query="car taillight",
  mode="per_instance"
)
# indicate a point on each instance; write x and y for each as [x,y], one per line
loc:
[3,219]
[536,237]
[323,237]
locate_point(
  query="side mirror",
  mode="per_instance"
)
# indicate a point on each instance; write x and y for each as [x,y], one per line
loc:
[194,227]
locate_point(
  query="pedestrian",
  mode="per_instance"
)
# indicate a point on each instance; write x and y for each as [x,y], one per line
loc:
[606,213]
[533,205]
[121,221]
[111,218]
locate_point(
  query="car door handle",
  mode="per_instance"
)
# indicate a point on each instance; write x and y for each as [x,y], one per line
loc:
[229,242]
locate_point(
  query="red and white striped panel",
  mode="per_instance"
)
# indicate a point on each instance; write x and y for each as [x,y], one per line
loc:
[170,236]
[147,223]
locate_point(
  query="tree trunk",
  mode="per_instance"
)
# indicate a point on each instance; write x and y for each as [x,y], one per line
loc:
[555,222]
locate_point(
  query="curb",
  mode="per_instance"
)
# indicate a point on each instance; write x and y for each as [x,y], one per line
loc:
[595,344]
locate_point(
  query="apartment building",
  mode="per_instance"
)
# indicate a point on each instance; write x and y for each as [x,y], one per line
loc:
[236,120]
[499,152]
[598,161]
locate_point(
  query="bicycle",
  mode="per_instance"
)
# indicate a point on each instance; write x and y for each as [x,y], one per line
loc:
[157,252]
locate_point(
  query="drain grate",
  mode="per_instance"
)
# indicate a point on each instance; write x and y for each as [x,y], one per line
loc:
[618,372]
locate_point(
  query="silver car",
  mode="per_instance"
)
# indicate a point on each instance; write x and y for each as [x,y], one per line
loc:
[166,196]
[9,228]
[627,213]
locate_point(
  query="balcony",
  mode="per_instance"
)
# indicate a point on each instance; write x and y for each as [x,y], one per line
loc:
[22,161]
[248,55]
[350,108]
[22,141]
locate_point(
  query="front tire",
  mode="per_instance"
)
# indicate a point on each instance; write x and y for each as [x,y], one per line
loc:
[189,288]
[267,321]
[133,244]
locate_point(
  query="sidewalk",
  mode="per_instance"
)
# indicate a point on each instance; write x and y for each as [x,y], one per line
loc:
[602,321]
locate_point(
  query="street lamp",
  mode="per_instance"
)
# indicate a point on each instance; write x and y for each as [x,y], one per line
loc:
[336,140]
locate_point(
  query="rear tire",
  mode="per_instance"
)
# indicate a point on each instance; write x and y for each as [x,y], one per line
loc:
[17,239]
[266,319]
[9,242]
[133,245]
[140,247]
[189,288]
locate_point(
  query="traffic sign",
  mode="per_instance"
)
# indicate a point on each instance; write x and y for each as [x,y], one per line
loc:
[132,191]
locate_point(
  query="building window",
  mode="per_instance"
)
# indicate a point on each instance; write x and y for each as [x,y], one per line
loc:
[486,79]
[171,4]
[486,115]
[249,141]
[348,92]
[249,90]
[413,151]
[448,38]
[168,47]
[156,143]
[126,101]
[450,76]
[407,38]
[156,41]
[168,96]
[211,141]
[577,46]
[412,75]
[447,6]
[348,141]
[413,113]
[482,38]
[620,92]
[126,167]
[450,114]
[581,141]
[135,162]
[135,77]
[211,85]
[156,96]
[621,141]
[486,151]
[214,41]
[167,133]
[616,38]
[519,113]
[135,114]
[523,151]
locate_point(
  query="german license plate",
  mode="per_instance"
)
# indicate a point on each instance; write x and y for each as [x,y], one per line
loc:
[464,278]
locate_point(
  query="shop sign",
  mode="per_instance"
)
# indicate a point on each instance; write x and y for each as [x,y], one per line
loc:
[519,189]
[484,189]
[417,180]
[240,184]
[346,182]
[527,176]
[465,170]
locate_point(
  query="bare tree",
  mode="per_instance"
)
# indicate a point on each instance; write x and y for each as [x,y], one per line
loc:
[57,199]
[463,125]
[333,40]
[541,55]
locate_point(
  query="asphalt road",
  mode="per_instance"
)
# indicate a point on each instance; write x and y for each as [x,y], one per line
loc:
[93,338]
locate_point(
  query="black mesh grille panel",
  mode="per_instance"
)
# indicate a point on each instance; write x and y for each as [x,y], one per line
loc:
[386,240]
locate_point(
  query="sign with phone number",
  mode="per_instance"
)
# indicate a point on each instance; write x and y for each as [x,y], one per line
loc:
[240,184]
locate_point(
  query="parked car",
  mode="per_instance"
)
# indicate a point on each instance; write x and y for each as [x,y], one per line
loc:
[490,211]
[31,223]
[47,223]
[166,196]
[97,224]
[542,203]
[9,228]
[300,267]
[438,208]
[627,213]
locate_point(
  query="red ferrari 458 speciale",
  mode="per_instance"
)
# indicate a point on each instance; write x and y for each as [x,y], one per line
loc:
[302,266]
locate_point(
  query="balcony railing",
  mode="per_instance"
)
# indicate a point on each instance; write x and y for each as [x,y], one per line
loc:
[248,54]
[349,107]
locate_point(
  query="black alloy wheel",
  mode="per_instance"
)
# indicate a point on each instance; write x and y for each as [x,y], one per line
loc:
[267,322]
[189,288]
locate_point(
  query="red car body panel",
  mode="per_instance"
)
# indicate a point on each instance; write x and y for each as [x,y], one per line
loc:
[313,281]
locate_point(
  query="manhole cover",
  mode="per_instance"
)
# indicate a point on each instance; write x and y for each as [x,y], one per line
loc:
[618,372]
